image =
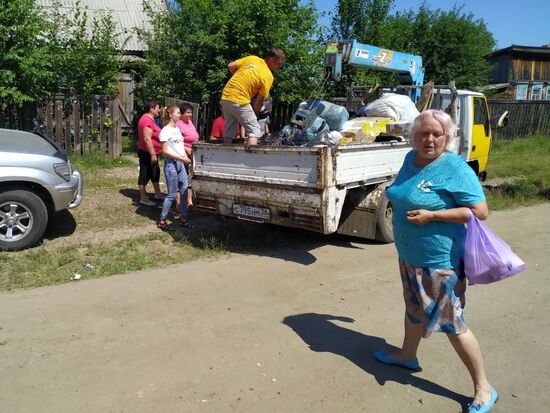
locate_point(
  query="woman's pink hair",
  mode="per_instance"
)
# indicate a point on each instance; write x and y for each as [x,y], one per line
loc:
[449,128]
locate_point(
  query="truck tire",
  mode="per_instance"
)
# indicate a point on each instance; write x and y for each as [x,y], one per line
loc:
[23,219]
[384,224]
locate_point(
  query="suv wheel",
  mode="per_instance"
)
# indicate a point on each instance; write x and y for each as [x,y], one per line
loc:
[23,219]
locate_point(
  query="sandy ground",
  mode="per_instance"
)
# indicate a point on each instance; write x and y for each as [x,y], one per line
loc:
[289,331]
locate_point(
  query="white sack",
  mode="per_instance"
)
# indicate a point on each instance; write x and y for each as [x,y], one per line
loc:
[399,107]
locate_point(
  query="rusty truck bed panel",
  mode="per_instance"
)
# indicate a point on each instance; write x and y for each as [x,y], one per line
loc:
[262,164]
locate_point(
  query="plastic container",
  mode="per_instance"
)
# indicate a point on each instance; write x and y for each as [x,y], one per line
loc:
[334,115]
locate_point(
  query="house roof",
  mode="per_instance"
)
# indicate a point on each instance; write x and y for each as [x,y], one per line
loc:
[522,49]
[127,15]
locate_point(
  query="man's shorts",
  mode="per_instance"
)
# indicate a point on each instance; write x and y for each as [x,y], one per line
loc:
[236,113]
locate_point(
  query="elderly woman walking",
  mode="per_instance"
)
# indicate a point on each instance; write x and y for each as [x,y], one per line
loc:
[432,197]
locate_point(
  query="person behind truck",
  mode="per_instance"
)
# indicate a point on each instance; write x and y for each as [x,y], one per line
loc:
[148,149]
[250,76]
[218,126]
[432,197]
[174,166]
[190,136]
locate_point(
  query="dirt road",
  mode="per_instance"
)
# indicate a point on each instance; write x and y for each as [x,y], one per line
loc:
[290,331]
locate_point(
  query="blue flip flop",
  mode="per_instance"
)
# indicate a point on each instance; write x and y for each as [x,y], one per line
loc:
[484,407]
[385,358]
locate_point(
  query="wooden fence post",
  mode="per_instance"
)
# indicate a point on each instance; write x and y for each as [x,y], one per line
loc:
[76,112]
[102,130]
[114,145]
[94,129]
[58,118]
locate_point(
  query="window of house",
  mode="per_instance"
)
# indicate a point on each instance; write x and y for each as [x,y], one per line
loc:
[536,91]
[521,91]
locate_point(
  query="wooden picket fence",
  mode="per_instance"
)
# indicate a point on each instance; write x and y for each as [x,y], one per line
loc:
[78,125]
[82,125]
[525,118]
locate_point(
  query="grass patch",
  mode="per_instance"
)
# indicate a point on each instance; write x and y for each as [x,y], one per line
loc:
[528,160]
[96,162]
[103,172]
[49,266]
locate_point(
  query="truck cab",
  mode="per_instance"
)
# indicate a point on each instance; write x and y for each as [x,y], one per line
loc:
[474,129]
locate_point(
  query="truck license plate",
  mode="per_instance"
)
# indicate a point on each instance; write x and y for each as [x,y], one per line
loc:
[252,211]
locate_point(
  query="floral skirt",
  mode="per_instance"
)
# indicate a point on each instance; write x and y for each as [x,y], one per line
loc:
[435,298]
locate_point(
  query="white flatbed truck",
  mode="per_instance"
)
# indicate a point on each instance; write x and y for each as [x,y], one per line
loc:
[323,189]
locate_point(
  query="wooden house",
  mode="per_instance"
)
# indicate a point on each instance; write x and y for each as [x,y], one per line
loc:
[524,71]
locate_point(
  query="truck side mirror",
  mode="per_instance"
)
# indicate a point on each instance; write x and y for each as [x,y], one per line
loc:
[503,119]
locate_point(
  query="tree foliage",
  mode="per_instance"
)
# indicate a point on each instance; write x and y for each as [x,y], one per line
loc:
[88,56]
[25,65]
[190,48]
[45,51]
[452,43]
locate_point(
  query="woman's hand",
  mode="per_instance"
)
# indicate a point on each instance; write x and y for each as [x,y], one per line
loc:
[420,216]
[459,215]
[185,160]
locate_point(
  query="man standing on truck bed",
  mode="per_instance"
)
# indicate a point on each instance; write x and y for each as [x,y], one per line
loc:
[250,76]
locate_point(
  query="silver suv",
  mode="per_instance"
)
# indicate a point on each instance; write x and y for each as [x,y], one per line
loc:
[36,180]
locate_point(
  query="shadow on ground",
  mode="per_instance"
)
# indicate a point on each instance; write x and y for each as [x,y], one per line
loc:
[245,237]
[321,334]
[60,224]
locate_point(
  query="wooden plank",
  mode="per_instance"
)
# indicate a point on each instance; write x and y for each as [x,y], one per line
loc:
[114,146]
[86,120]
[102,130]
[94,127]
[77,136]
[59,119]
[49,117]
[67,133]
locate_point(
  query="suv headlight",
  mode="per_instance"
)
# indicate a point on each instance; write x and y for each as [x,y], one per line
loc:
[63,170]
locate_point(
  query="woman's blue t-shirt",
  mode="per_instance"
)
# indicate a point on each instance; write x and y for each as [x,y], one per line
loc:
[448,182]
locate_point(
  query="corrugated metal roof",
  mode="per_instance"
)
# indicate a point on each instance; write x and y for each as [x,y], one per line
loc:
[127,15]
[525,49]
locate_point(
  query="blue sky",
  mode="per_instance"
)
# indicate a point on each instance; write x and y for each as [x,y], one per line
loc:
[525,22]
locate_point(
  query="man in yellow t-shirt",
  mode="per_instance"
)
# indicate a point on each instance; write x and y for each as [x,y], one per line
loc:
[251,76]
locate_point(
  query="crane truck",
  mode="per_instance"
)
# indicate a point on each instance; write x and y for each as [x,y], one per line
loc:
[325,188]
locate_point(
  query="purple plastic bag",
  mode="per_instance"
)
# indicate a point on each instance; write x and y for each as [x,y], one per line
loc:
[487,258]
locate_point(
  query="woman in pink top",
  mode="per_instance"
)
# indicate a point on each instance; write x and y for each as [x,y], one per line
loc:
[190,136]
[148,149]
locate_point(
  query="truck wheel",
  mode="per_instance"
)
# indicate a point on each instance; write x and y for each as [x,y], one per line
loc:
[384,224]
[23,219]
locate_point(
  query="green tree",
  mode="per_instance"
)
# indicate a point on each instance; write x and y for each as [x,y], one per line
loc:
[452,44]
[190,48]
[88,54]
[26,68]
[44,51]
